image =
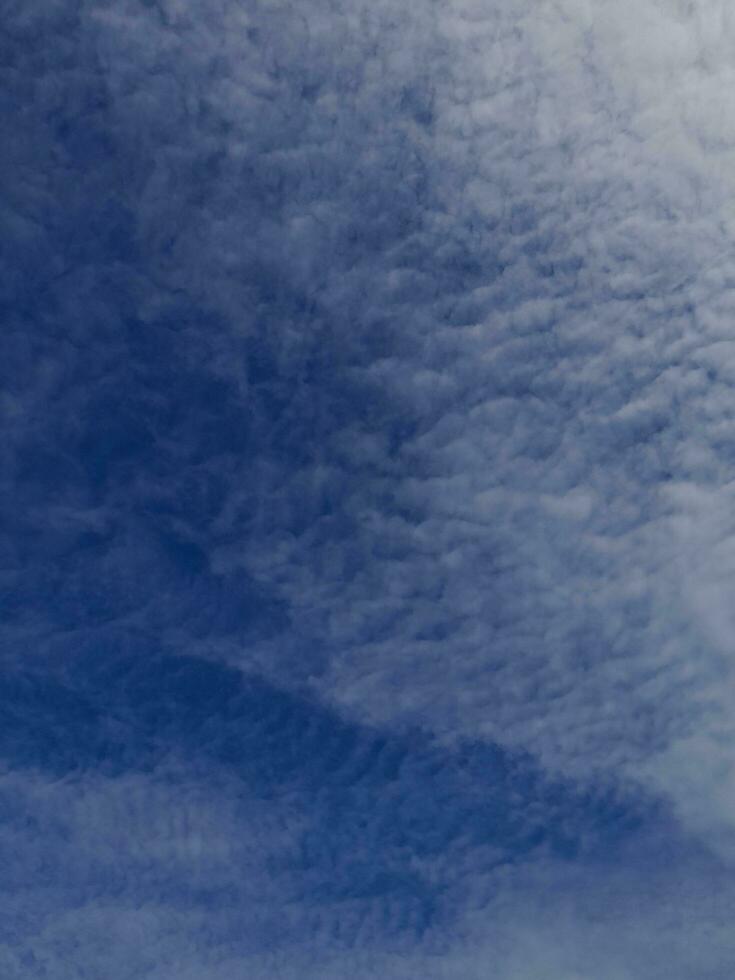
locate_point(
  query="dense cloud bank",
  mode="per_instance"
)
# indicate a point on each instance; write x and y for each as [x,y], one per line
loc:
[367,482]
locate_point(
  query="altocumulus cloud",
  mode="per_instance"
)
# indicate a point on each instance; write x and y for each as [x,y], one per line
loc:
[367,481]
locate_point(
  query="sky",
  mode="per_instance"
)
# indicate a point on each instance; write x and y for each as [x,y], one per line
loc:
[367,483]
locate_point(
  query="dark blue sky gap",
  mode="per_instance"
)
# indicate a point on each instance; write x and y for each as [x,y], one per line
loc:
[373,803]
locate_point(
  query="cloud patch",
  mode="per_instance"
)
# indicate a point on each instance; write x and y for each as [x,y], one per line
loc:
[366,391]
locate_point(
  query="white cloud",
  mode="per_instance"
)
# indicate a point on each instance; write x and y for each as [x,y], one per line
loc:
[465,275]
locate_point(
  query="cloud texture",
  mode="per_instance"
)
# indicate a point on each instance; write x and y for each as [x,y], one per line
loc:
[367,477]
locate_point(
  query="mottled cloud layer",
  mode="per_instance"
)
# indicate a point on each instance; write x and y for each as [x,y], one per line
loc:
[367,477]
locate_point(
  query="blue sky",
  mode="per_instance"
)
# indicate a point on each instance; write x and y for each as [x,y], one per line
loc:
[367,490]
